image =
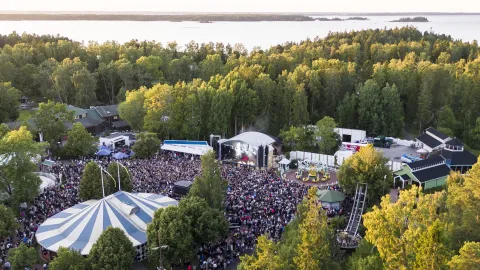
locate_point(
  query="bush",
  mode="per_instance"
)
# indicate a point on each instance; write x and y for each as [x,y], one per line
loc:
[293,164]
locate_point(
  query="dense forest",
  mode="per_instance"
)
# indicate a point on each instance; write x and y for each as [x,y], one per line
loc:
[377,80]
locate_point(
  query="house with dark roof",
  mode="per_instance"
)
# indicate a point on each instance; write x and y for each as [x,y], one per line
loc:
[456,156]
[433,171]
[428,173]
[89,118]
[432,139]
[110,114]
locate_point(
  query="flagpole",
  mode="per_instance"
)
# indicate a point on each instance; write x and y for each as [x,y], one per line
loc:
[103,188]
[118,172]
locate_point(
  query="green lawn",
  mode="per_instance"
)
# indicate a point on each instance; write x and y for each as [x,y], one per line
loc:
[24,115]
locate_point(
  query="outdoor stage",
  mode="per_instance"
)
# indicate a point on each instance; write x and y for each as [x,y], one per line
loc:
[290,175]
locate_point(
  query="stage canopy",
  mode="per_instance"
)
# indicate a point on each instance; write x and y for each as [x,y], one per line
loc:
[80,226]
[252,138]
[188,147]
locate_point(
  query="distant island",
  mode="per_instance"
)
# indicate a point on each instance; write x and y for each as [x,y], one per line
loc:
[204,18]
[323,19]
[356,19]
[409,19]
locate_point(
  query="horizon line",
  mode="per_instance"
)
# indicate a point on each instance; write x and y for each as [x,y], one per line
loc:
[230,12]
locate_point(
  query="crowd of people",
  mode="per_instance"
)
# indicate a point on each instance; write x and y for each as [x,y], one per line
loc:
[257,202]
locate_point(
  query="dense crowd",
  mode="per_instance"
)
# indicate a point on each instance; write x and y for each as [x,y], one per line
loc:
[257,202]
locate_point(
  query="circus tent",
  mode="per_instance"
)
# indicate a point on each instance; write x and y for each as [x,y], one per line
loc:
[80,226]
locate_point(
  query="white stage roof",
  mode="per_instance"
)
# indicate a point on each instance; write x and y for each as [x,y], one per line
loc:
[253,138]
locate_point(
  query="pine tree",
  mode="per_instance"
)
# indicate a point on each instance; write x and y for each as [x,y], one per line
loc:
[314,251]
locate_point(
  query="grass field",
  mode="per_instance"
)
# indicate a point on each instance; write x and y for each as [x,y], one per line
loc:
[24,115]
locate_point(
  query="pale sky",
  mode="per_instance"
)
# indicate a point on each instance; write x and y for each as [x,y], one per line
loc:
[244,5]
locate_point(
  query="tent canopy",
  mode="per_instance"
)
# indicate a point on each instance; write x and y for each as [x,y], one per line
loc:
[120,155]
[80,226]
[284,161]
[188,147]
[48,163]
[252,138]
[330,196]
[103,152]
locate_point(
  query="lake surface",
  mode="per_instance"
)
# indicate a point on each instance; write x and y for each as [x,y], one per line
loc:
[250,34]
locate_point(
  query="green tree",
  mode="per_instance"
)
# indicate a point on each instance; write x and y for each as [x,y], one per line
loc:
[158,104]
[366,166]
[9,103]
[22,257]
[91,183]
[245,104]
[469,257]
[329,140]
[366,257]
[80,143]
[84,84]
[18,150]
[314,250]
[50,119]
[62,78]
[132,110]
[265,257]
[185,227]
[300,107]
[148,70]
[125,177]
[463,194]
[147,145]
[208,225]
[409,231]
[7,222]
[170,227]
[108,74]
[380,109]
[432,247]
[221,111]
[126,72]
[68,259]
[265,88]
[211,66]
[113,250]
[347,111]
[446,121]
[4,129]
[299,138]
[210,185]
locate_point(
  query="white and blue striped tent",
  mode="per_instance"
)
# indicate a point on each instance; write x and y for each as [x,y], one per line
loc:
[80,226]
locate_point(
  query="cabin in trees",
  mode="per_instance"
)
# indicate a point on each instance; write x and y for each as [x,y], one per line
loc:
[89,118]
[110,114]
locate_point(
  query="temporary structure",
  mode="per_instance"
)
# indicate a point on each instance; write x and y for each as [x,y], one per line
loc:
[330,198]
[79,226]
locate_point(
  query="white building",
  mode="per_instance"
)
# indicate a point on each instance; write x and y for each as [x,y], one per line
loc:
[432,139]
[351,135]
[117,139]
